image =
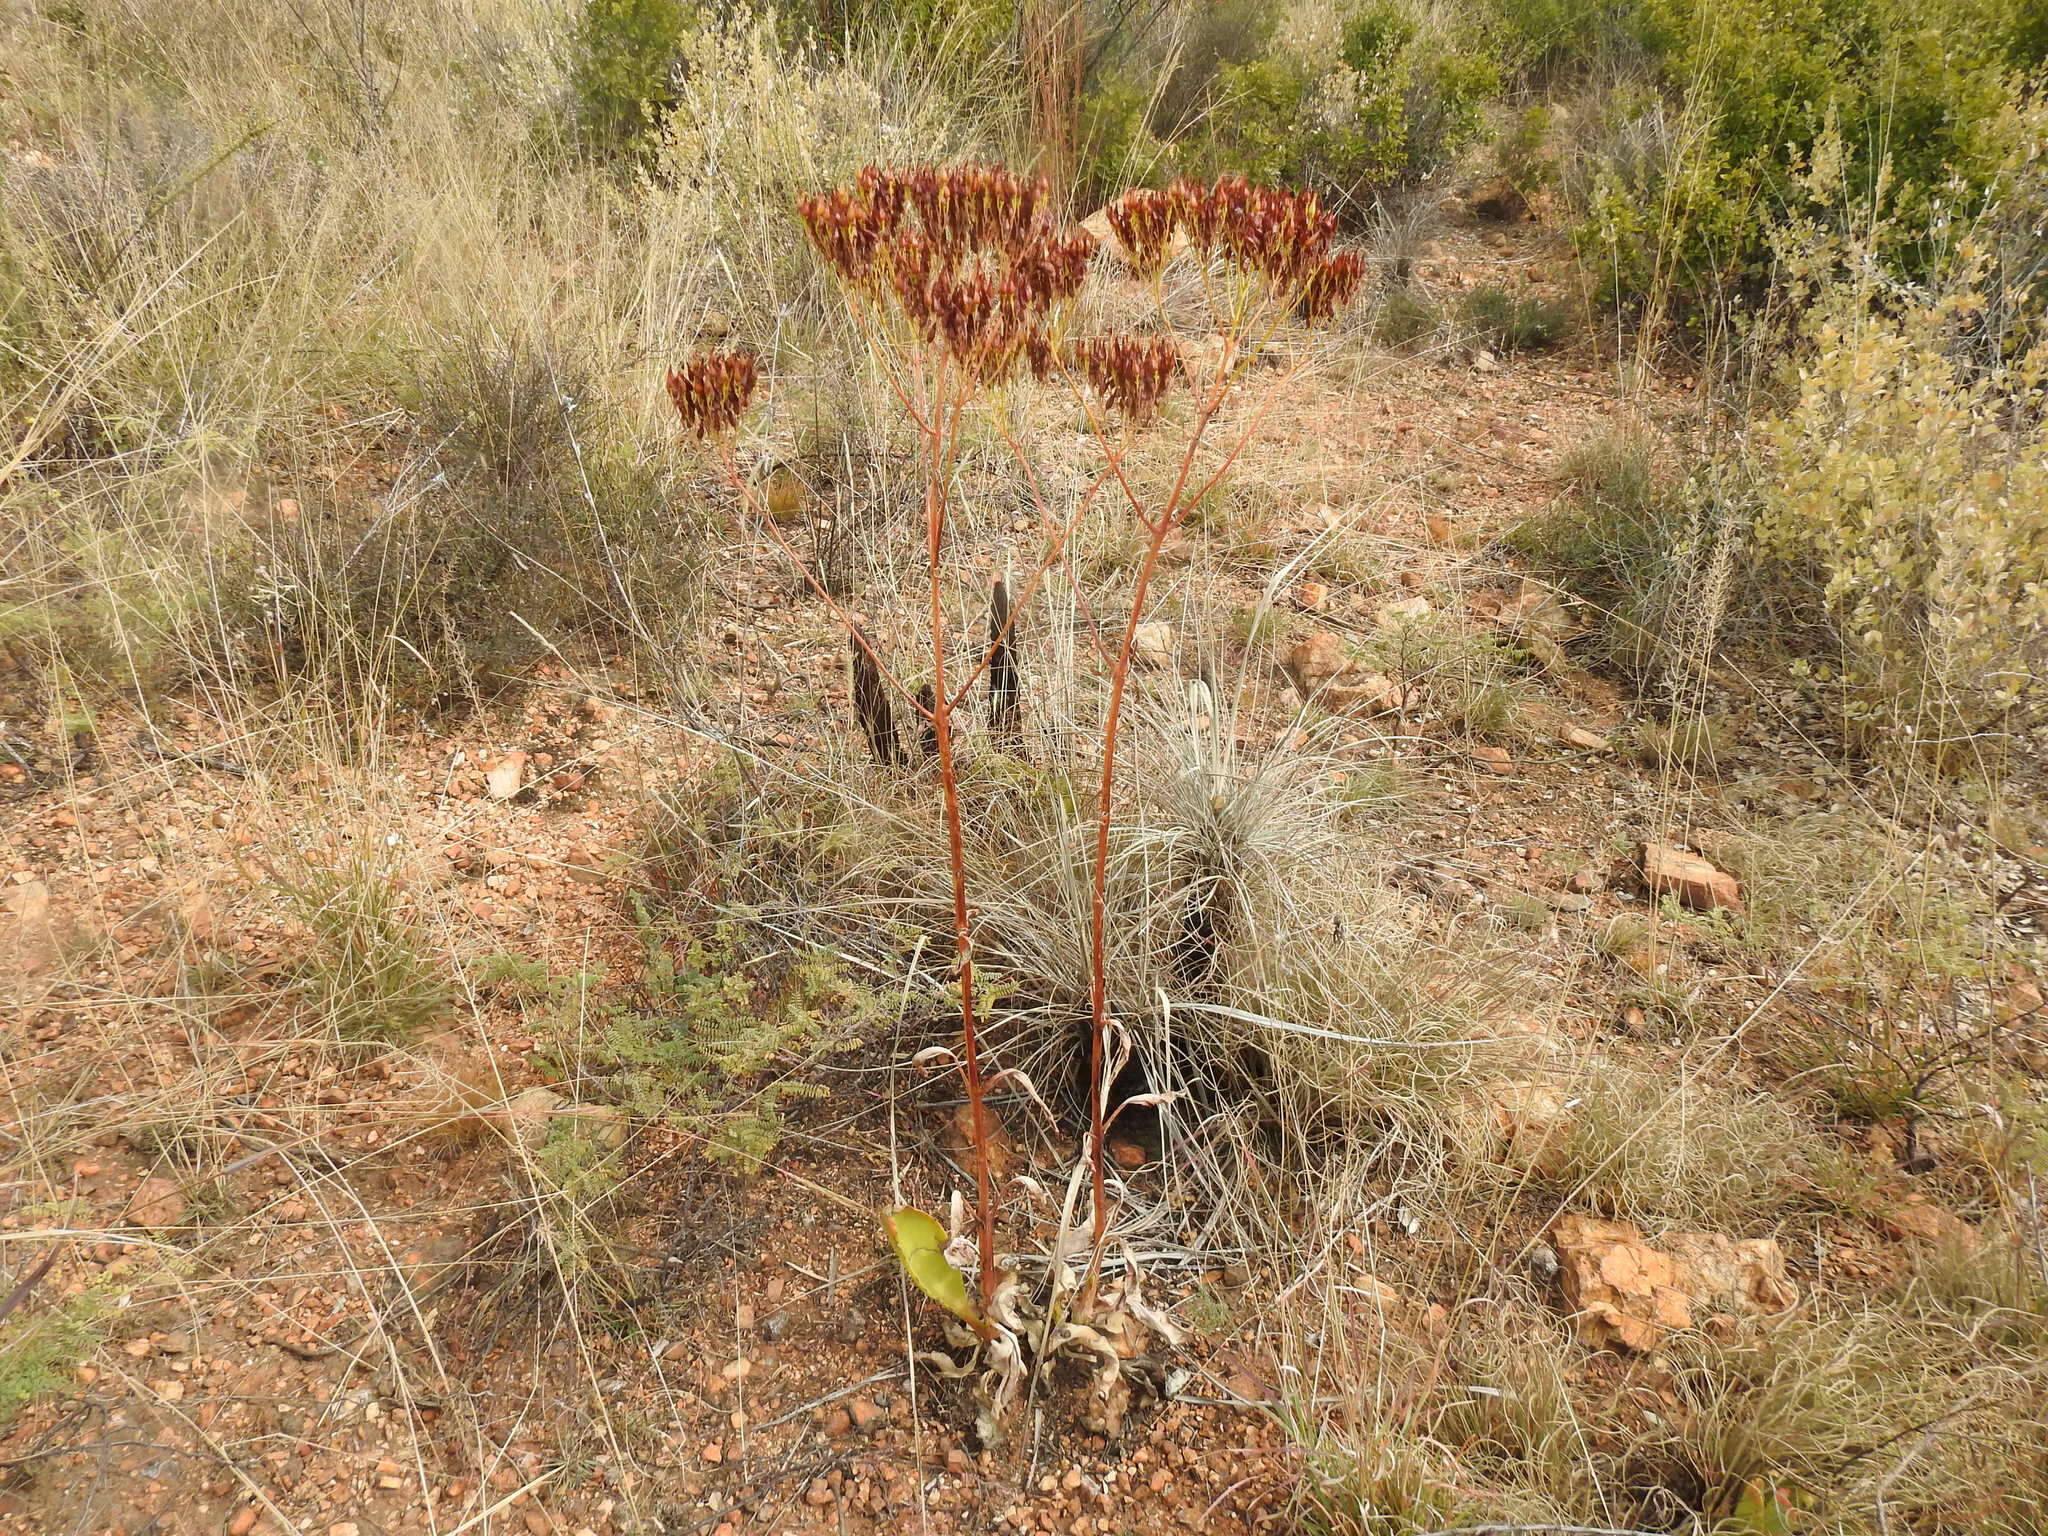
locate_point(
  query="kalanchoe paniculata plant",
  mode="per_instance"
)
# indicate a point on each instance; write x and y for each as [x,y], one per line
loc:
[964,282]
[712,391]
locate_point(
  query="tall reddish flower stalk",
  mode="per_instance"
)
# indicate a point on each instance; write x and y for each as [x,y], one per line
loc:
[962,280]
[1277,244]
[958,277]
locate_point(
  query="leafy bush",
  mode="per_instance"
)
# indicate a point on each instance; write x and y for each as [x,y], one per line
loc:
[1355,102]
[1912,473]
[1694,148]
[1515,324]
[707,1032]
[1392,107]
[624,54]
[41,1345]
[1405,318]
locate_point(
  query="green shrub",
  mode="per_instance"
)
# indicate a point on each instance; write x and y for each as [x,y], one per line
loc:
[1355,104]
[1695,151]
[624,54]
[1521,153]
[1912,474]
[1404,318]
[708,1033]
[43,1344]
[1515,324]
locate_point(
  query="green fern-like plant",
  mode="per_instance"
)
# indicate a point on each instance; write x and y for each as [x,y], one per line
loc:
[709,1035]
[41,1347]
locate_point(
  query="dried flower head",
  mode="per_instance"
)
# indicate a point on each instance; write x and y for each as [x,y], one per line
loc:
[971,208]
[969,254]
[1281,235]
[1205,211]
[1131,373]
[1330,287]
[1143,221]
[712,391]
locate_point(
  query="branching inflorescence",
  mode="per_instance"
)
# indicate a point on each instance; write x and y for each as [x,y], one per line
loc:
[970,254]
[712,391]
[963,279]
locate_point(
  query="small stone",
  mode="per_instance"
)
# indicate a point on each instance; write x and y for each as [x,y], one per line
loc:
[1588,882]
[1484,361]
[866,1414]
[838,1422]
[1154,643]
[1317,661]
[29,937]
[1585,740]
[1627,1293]
[1692,879]
[529,1114]
[1929,1223]
[1406,611]
[714,1453]
[157,1203]
[1493,759]
[536,1522]
[244,1521]
[819,1494]
[342,1528]
[508,777]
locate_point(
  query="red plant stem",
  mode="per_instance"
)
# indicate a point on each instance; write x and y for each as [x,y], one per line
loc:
[1098,893]
[941,715]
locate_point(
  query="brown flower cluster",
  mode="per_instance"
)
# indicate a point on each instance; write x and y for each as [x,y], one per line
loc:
[1143,221]
[1130,372]
[712,391]
[1284,236]
[970,254]
[1330,287]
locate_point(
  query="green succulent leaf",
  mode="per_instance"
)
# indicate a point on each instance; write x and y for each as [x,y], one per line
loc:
[1762,1510]
[920,1244]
